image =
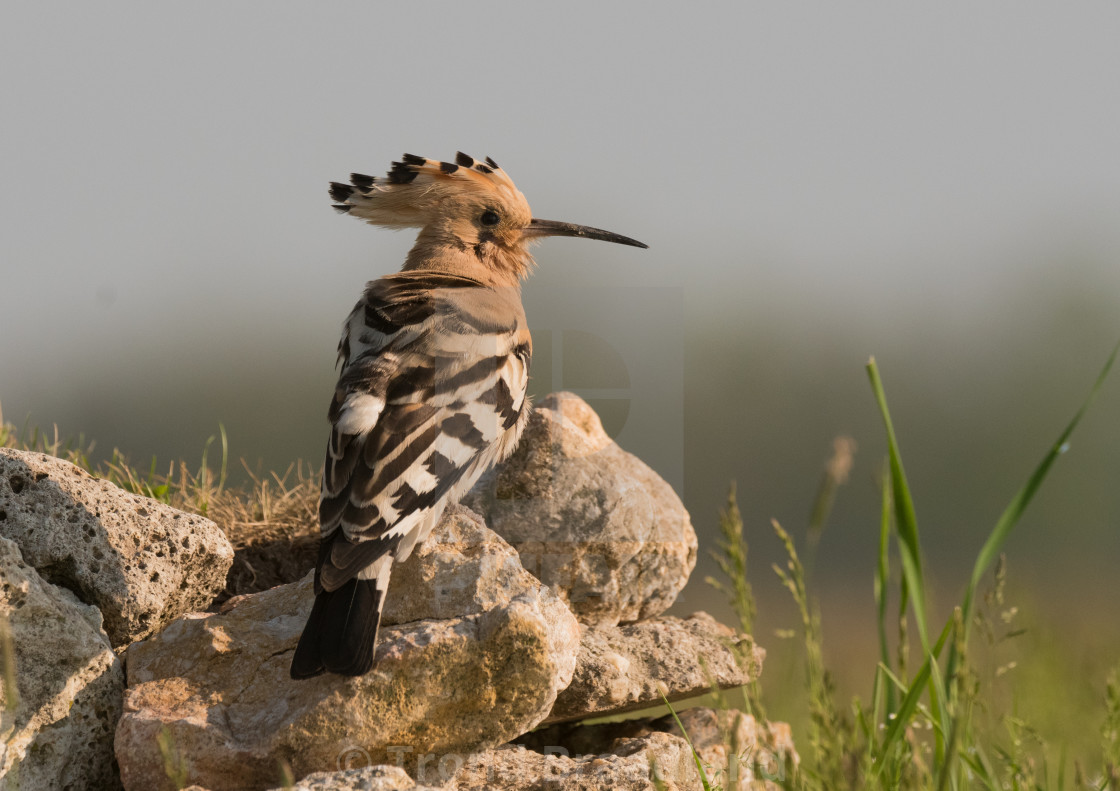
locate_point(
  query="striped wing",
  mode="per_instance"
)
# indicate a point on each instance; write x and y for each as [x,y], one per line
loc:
[434,373]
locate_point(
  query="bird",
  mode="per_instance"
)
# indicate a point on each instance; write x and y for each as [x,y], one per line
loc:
[432,389]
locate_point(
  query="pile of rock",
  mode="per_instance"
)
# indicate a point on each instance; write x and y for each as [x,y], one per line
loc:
[85,569]
[534,605]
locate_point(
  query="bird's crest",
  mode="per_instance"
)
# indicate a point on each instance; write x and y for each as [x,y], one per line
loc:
[410,194]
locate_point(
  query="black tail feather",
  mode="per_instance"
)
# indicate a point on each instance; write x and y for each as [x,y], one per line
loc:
[341,632]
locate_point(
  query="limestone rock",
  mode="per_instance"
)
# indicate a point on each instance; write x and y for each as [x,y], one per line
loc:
[463,568]
[616,755]
[737,751]
[629,766]
[137,560]
[513,768]
[472,680]
[589,519]
[59,733]
[624,668]
[368,778]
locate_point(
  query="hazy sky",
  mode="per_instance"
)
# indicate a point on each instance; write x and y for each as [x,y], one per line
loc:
[165,164]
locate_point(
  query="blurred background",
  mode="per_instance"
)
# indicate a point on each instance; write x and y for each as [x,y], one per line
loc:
[938,188]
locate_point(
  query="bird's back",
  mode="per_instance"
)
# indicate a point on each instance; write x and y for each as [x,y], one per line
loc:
[432,392]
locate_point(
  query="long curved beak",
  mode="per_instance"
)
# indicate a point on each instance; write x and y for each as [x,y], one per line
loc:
[540,228]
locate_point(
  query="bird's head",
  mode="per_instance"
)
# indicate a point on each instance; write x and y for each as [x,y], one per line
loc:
[470,214]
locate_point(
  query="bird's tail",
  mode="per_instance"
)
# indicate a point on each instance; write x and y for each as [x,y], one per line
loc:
[341,632]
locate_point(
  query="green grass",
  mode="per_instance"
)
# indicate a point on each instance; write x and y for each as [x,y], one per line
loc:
[944,725]
[705,781]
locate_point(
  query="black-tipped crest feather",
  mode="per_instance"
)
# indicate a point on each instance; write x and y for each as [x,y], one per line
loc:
[416,189]
[402,174]
[340,192]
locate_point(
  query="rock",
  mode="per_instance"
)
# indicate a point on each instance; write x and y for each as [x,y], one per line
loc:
[137,560]
[616,755]
[513,768]
[589,519]
[629,766]
[761,751]
[58,734]
[368,778]
[737,750]
[624,668]
[472,680]
[464,568]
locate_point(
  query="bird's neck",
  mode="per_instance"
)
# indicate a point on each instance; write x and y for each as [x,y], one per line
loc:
[487,263]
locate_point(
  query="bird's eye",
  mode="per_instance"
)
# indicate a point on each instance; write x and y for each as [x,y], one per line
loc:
[489,218]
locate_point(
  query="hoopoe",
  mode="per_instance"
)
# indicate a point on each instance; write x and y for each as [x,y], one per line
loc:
[432,392]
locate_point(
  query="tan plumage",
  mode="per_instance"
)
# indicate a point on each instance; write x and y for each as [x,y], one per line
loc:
[432,391]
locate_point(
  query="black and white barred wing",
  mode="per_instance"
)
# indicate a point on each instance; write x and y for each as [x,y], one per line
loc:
[438,373]
[431,394]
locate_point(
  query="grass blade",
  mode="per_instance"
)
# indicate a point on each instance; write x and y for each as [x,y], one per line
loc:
[695,756]
[909,546]
[882,582]
[906,709]
[1010,516]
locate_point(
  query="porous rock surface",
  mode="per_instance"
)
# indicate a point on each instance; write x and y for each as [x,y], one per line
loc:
[589,519]
[464,568]
[514,768]
[140,562]
[737,751]
[627,767]
[367,778]
[742,753]
[56,731]
[625,668]
[457,682]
